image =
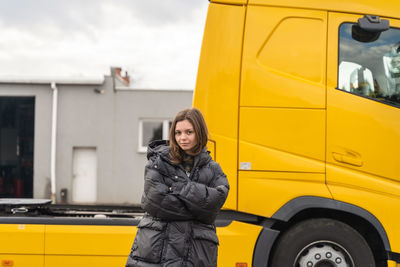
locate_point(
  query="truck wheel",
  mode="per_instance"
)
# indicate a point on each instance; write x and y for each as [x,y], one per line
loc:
[322,243]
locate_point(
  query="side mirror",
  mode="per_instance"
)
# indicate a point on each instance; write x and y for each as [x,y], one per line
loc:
[369,28]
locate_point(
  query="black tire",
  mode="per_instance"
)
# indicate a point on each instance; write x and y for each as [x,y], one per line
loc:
[322,242]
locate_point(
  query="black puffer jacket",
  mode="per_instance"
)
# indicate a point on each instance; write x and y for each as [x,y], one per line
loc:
[178,229]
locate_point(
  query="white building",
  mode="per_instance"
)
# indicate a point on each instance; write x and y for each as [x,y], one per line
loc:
[80,141]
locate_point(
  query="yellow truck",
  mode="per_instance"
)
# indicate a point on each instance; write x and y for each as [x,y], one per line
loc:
[302,102]
[36,233]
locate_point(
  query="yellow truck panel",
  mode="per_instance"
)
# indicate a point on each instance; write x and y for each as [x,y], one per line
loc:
[388,8]
[362,166]
[392,264]
[235,2]
[89,240]
[89,244]
[14,235]
[279,69]
[223,46]
[301,152]
[21,260]
[237,239]
[279,186]
[22,245]
[84,261]
[371,193]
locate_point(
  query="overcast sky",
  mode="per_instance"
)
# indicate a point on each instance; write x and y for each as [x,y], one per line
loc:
[157,41]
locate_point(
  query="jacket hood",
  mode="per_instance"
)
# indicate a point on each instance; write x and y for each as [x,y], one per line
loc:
[161,148]
[158,147]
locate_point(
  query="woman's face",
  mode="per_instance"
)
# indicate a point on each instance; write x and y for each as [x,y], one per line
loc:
[185,135]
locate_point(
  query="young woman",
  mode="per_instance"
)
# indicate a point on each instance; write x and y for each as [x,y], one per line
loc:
[183,192]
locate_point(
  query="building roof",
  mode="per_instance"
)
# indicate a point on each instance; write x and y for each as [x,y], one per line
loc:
[79,81]
[120,82]
[153,89]
[48,80]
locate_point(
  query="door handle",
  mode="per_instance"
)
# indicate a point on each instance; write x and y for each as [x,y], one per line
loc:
[348,157]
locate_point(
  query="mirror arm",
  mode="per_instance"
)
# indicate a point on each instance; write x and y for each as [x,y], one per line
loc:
[371,23]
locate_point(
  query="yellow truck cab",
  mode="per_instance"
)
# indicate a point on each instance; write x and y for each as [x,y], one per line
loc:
[302,102]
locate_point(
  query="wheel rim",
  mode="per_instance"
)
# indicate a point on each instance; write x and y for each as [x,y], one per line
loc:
[323,254]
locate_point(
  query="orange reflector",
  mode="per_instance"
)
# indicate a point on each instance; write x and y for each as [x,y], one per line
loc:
[7,263]
[241,264]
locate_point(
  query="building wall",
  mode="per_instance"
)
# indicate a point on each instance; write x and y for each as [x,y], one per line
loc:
[108,121]
[129,163]
[43,103]
[85,119]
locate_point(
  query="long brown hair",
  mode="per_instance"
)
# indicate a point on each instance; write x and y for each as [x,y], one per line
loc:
[194,116]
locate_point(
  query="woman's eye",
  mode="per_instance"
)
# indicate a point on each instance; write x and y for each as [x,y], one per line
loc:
[189,132]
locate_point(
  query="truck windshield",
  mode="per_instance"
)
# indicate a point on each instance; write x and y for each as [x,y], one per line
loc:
[370,69]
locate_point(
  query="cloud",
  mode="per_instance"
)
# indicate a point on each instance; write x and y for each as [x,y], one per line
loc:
[66,15]
[158,42]
[77,14]
[156,12]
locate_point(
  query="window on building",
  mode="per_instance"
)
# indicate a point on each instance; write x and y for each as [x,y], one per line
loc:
[152,129]
[370,68]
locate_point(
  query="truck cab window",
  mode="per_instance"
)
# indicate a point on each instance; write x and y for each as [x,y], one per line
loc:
[370,69]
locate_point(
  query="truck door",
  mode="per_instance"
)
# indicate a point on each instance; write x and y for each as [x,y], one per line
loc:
[363,118]
[282,107]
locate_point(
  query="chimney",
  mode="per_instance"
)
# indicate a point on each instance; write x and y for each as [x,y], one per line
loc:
[118,71]
[116,74]
[127,78]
